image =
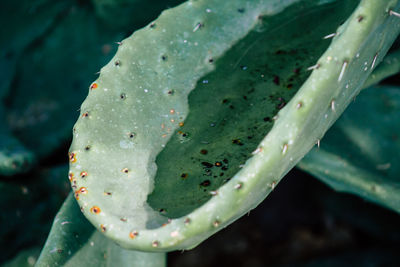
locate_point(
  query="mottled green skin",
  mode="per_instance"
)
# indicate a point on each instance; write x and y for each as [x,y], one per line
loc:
[74,242]
[360,153]
[142,95]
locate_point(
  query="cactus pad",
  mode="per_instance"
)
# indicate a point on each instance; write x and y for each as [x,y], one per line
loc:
[200,114]
[74,242]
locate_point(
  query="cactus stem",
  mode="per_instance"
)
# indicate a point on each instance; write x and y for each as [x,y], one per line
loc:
[344,66]
[330,35]
[314,67]
[391,12]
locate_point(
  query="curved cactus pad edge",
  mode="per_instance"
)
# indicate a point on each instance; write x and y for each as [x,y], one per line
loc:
[359,154]
[74,242]
[112,190]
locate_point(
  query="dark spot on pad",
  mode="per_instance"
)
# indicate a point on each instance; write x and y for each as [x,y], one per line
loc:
[203,151]
[276,80]
[205,183]
[237,142]
[207,164]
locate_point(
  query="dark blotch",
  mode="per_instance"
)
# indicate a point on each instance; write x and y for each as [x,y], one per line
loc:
[207,164]
[267,119]
[205,183]
[204,151]
[276,80]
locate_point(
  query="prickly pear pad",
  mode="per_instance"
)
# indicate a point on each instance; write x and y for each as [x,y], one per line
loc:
[142,144]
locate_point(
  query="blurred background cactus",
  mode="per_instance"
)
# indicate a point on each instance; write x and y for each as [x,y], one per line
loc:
[52,51]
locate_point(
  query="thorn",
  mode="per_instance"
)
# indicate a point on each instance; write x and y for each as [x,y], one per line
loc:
[344,66]
[373,61]
[314,67]
[216,223]
[258,150]
[330,35]
[198,26]
[118,43]
[213,193]
[333,105]
[318,143]
[391,12]
[272,185]
[238,186]
[285,148]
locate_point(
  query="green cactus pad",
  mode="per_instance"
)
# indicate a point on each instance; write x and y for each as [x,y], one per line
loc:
[74,242]
[360,153]
[170,148]
[42,114]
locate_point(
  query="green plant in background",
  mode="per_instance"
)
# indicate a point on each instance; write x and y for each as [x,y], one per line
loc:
[198,115]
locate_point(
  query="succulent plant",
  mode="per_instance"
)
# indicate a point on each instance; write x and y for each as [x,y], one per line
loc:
[193,122]
[170,148]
